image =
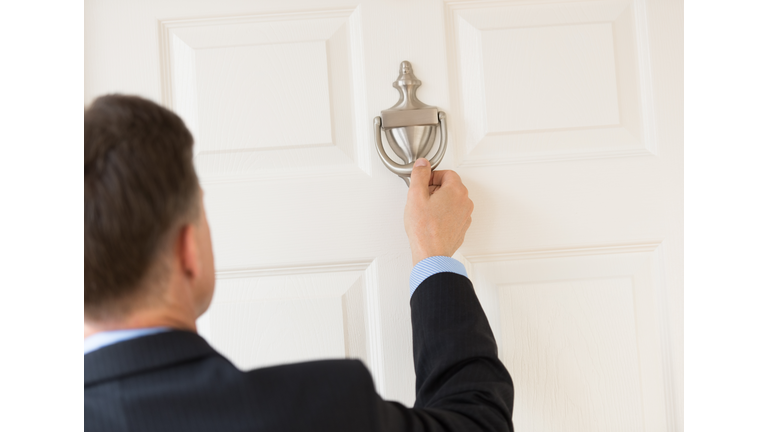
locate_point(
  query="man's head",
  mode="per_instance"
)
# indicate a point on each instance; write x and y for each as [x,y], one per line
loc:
[147,243]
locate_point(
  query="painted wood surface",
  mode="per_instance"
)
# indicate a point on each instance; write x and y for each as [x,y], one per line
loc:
[565,122]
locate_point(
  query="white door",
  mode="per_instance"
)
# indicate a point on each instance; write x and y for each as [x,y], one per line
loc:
[565,123]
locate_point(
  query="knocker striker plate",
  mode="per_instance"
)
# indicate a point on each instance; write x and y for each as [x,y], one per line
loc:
[410,126]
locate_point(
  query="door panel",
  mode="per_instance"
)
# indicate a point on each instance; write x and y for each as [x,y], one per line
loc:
[580,330]
[550,81]
[268,92]
[290,314]
[564,121]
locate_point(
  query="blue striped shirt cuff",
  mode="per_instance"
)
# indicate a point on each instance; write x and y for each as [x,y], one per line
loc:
[434,265]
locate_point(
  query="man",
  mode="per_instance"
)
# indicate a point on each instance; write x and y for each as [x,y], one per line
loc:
[149,275]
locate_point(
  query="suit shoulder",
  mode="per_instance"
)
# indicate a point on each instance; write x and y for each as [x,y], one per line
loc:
[339,372]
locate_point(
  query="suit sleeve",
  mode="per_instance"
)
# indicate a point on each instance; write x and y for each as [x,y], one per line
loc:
[460,382]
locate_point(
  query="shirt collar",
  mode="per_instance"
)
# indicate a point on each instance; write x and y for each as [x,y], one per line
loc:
[106,338]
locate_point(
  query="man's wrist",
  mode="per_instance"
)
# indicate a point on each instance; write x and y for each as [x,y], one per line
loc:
[418,254]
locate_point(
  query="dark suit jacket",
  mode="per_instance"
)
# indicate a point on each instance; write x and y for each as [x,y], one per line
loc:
[175,381]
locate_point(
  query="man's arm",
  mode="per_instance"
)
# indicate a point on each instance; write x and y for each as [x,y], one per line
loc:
[460,383]
[455,356]
[459,377]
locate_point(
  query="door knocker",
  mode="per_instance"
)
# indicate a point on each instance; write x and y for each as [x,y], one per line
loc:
[410,127]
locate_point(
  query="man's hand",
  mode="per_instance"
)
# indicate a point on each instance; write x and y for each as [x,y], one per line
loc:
[438,212]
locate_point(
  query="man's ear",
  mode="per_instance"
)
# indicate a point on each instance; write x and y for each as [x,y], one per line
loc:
[187,252]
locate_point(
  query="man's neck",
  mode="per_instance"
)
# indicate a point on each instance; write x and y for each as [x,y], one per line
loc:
[173,307]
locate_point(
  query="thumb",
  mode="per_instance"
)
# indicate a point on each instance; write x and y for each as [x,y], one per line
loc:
[420,177]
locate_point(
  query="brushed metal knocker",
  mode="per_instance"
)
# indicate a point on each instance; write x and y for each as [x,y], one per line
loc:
[410,127]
